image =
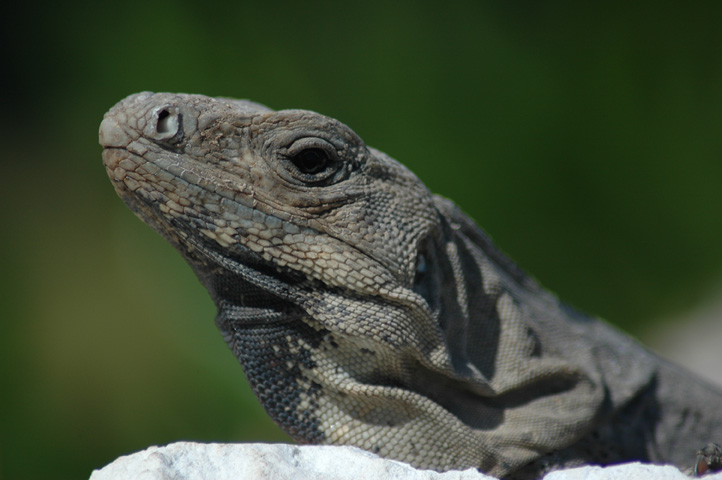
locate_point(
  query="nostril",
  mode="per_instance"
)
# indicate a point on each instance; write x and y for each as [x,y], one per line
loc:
[166,125]
[164,122]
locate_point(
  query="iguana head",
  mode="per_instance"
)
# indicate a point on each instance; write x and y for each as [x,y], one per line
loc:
[293,191]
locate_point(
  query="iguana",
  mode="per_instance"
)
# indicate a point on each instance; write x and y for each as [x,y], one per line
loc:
[367,311]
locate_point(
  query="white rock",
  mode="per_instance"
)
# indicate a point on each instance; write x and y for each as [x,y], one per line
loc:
[626,471]
[255,461]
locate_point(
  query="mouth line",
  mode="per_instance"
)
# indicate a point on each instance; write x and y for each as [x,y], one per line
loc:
[184,235]
[197,235]
[252,290]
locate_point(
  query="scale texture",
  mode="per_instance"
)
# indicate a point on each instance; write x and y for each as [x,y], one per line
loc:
[367,311]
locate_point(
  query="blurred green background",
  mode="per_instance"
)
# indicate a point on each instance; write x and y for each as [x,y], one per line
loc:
[584,137]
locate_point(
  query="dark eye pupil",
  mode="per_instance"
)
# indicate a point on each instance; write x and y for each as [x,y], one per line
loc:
[311,160]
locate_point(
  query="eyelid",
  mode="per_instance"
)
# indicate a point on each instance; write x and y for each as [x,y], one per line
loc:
[290,172]
[311,142]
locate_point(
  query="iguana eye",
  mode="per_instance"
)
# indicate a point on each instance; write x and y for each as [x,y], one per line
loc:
[310,161]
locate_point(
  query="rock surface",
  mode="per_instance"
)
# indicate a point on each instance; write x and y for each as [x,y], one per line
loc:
[252,461]
[256,461]
[625,471]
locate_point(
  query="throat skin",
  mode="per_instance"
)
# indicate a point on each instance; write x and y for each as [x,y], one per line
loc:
[367,311]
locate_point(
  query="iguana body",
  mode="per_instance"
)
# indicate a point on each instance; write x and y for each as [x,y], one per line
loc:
[366,311]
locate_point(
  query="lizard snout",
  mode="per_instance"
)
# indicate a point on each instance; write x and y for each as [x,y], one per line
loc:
[111,134]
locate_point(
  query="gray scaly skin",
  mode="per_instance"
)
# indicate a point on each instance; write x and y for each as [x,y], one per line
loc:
[366,311]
